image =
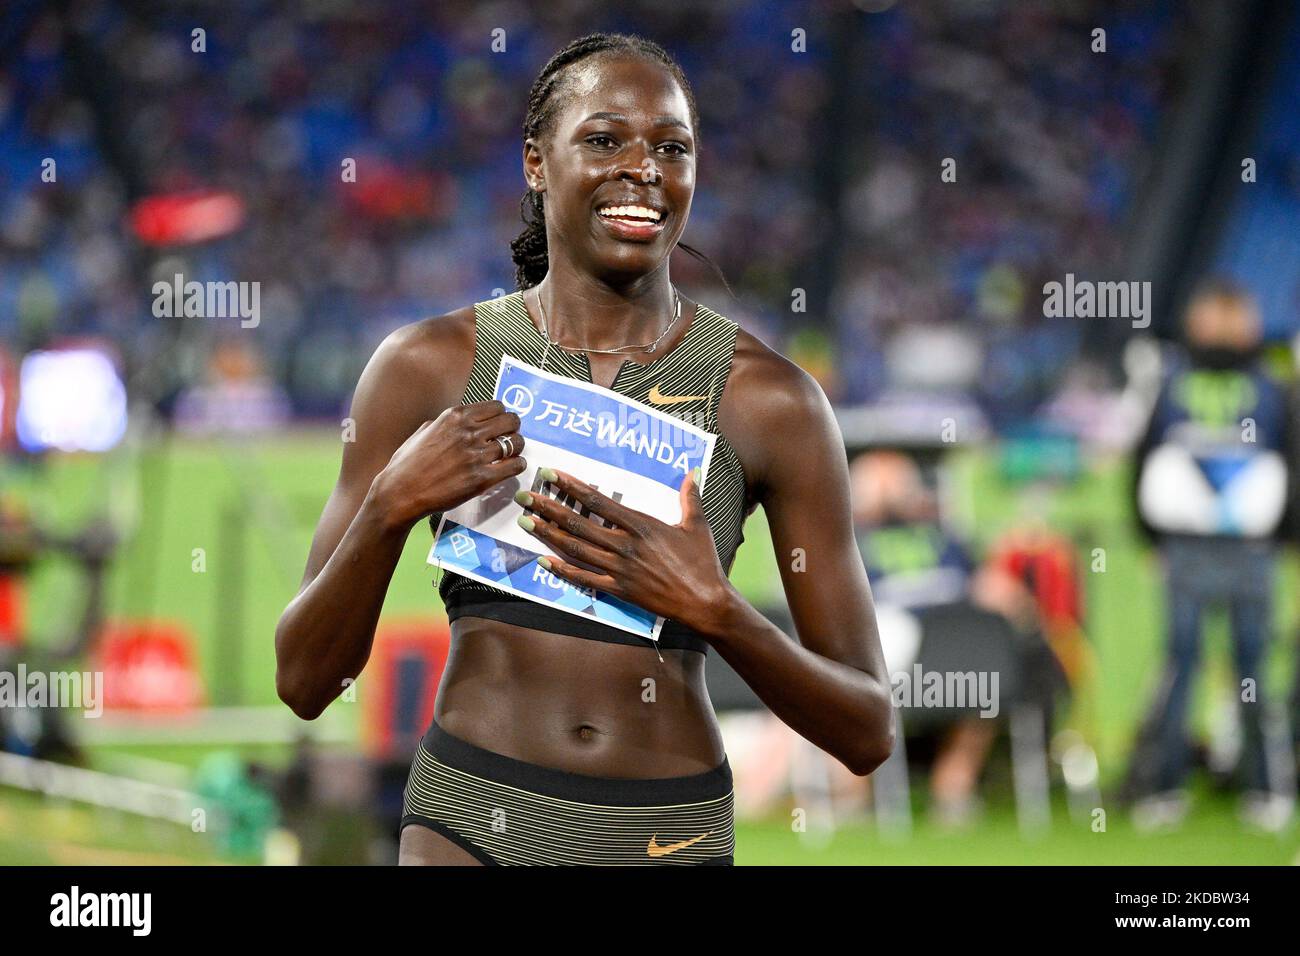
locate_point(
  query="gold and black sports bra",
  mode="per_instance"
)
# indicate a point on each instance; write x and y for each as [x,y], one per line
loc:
[697,366]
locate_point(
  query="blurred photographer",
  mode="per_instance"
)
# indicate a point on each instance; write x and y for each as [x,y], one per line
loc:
[914,562]
[1212,480]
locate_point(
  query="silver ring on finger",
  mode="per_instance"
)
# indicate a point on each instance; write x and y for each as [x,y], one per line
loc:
[507,445]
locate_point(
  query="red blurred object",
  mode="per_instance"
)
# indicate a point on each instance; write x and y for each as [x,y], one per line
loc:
[1046,564]
[181,218]
[11,609]
[148,665]
[384,191]
[406,665]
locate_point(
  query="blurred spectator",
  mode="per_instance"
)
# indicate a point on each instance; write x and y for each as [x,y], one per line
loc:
[1212,482]
[914,562]
[237,396]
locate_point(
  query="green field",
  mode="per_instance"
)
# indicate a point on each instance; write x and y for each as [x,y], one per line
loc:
[251,508]
[36,832]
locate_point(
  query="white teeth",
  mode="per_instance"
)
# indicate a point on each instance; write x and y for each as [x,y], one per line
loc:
[629,212]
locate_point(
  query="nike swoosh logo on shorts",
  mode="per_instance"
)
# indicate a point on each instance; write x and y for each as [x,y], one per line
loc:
[656,849]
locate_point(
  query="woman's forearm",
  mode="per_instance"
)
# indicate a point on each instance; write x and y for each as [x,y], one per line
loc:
[325,634]
[845,711]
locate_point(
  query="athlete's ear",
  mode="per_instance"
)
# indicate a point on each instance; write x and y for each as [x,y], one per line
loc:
[533,175]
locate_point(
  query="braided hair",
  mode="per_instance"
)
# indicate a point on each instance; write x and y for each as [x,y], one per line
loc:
[528,249]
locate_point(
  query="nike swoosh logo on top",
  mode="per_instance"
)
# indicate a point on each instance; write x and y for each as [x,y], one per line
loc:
[655,849]
[659,398]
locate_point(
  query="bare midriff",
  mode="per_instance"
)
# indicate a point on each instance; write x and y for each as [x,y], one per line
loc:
[578,705]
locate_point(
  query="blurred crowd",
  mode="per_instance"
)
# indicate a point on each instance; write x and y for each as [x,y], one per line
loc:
[1048,139]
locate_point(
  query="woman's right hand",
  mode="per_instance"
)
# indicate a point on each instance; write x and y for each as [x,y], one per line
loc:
[448,461]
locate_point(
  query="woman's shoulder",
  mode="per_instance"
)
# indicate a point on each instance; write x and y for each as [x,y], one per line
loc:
[767,401]
[433,355]
[761,378]
[434,336]
[450,335]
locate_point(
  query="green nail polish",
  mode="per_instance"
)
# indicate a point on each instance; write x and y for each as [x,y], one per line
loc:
[545,562]
[526,522]
[523,497]
[548,474]
[695,475]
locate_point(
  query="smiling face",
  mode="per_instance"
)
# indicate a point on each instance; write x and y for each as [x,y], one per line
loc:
[617,168]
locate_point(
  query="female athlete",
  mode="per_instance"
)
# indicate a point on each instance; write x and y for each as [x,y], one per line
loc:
[557,739]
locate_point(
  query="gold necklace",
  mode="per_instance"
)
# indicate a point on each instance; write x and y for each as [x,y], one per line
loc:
[677,314]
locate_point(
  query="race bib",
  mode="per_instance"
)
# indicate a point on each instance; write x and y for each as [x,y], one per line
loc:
[630,452]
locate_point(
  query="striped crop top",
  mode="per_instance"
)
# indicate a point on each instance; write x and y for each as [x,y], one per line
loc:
[698,365]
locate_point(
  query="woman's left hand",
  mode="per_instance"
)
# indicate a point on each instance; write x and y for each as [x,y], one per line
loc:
[669,570]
